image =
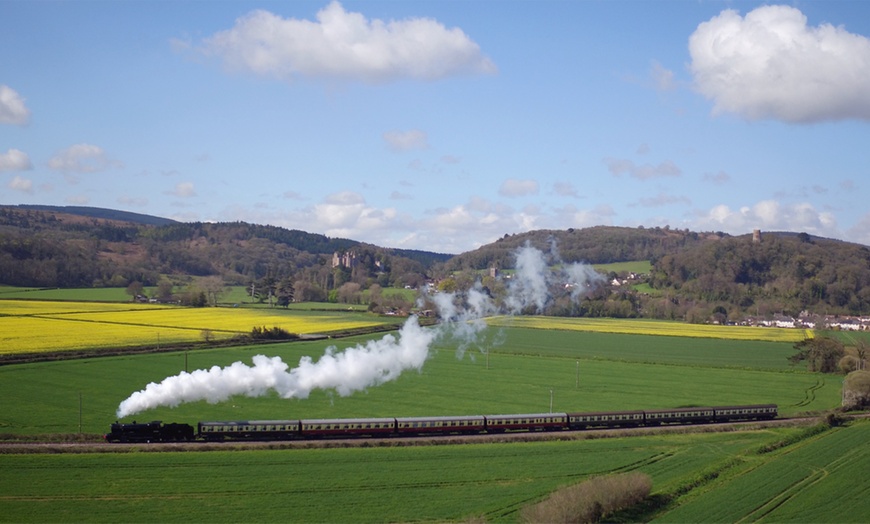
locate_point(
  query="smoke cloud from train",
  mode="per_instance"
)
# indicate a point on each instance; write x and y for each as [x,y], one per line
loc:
[349,371]
[366,365]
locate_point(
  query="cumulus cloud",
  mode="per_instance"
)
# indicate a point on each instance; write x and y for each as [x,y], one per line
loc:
[619,167]
[515,188]
[346,46]
[769,215]
[21,184]
[82,158]
[12,108]
[771,65]
[15,160]
[406,140]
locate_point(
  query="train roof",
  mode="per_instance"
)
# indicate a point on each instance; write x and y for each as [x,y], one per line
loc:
[529,415]
[348,420]
[599,413]
[250,422]
[439,418]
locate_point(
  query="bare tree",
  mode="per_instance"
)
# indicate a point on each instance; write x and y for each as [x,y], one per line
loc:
[213,287]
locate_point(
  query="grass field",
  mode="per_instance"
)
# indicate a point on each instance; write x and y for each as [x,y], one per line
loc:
[530,366]
[584,371]
[418,484]
[822,479]
[641,267]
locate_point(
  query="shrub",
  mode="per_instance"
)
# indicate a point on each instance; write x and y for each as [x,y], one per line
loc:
[275,333]
[856,390]
[591,500]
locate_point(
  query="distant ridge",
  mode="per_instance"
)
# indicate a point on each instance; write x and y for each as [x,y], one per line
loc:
[99,212]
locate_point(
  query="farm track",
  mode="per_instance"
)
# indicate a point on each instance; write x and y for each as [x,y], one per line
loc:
[810,394]
[105,447]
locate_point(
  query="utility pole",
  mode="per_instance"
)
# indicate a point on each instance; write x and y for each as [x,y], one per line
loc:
[577,385]
[80,412]
[551,400]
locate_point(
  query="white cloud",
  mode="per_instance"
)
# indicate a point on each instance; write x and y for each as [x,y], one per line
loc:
[770,64]
[76,200]
[860,232]
[618,167]
[133,201]
[663,199]
[15,160]
[515,188]
[566,189]
[406,140]
[397,195]
[769,215]
[82,158]
[346,45]
[719,178]
[21,184]
[662,78]
[12,108]
[183,190]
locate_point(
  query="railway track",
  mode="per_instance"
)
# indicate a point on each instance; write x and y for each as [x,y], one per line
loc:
[37,447]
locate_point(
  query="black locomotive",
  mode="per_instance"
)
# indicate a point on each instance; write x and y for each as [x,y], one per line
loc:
[420,426]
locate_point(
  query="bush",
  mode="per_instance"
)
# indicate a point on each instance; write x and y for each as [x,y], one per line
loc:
[275,333]
[591,500]
[857,390]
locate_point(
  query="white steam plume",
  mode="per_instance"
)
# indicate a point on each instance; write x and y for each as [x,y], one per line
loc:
[533,282]
[377,361]
[352,370]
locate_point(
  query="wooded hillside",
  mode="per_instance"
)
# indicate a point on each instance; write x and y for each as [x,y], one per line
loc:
[695,276]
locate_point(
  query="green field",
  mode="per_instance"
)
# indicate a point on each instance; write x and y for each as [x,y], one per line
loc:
[584,371]
[814,480]
[401,484]
[526,369]
[822,479]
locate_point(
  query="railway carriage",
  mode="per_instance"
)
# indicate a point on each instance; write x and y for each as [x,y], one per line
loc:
[527,422]
[605,419]
[348,427]
[250,430]
[757,412]
[440,425]
[679,416]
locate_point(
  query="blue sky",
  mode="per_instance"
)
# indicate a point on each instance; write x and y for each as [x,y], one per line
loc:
[443,125]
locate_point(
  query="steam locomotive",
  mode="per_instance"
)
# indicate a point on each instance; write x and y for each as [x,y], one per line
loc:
[266,430]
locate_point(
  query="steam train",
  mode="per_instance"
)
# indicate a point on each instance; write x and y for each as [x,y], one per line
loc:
[266,430]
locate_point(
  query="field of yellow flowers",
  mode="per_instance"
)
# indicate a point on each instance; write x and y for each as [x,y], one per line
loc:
[49,326]
[653,327]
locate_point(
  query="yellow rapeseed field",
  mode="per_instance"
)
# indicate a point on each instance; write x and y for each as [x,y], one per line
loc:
[47,326]
[654,327]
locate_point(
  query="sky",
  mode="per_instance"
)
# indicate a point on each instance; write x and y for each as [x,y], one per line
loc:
[443,125]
